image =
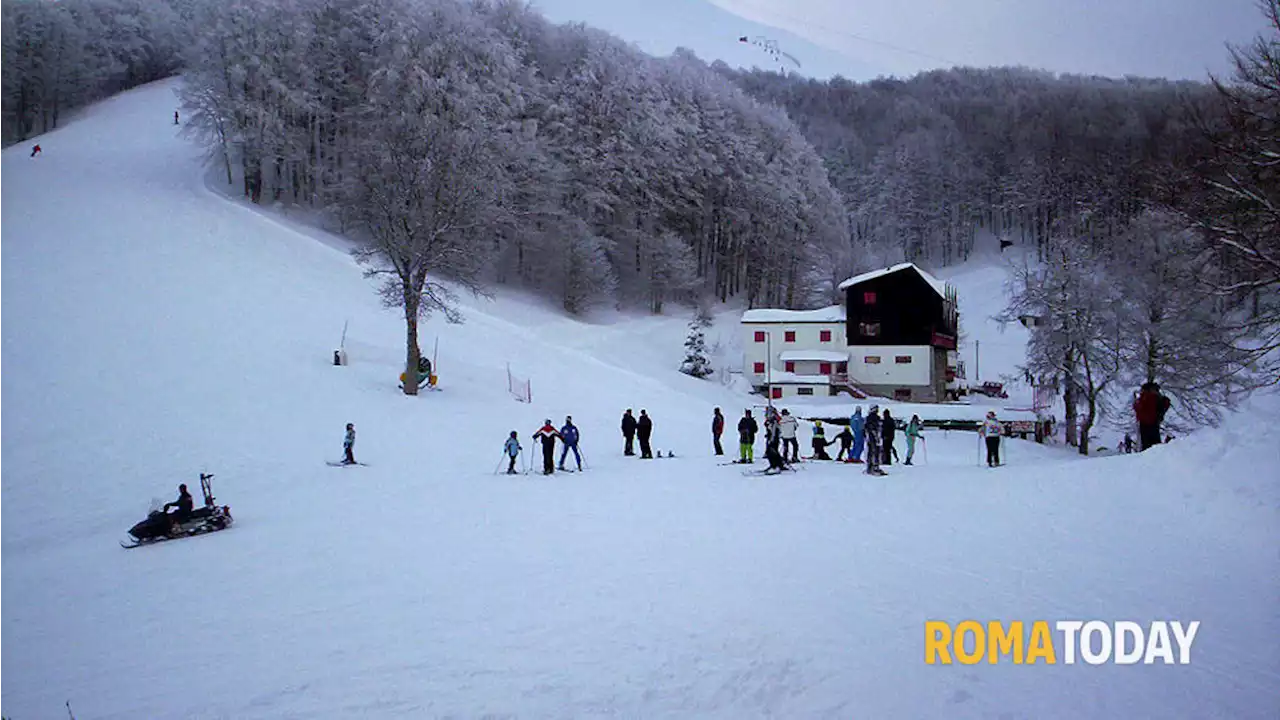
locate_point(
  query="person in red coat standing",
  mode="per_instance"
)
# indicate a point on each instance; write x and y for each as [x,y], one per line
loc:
[717,429]
[1149,409]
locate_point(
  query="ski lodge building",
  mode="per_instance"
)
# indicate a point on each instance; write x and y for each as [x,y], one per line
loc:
[892,338]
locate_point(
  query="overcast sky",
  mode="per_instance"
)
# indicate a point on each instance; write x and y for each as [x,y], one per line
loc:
[1163,38]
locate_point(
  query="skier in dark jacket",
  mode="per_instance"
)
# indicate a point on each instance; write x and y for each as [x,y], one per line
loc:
[717,429]
[569,441]
[644,428]
[547,435]
[874,452]
[845,439]
[1150,408]
[747,429]
[628,431]
[887,430]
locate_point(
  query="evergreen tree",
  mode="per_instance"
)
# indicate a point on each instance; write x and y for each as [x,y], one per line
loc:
[696,362]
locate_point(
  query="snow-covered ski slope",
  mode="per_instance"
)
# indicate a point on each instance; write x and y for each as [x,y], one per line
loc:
[153,330]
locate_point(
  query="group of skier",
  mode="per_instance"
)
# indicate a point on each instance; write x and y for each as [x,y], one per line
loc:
[547,435]
[874,433]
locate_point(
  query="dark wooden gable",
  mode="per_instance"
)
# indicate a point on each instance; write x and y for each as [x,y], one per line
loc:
[900,308]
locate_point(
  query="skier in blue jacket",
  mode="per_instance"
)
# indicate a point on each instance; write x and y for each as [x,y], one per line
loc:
[512,448]
[569,441]
[857,425]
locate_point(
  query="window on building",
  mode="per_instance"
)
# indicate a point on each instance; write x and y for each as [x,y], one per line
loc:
[824,336]
[902,359]
[790,336]
[759,368]
[777,393]
[759,336]
[869,329]
[824,368]
[871,359]
[902,394]
[791,366]
[833,391]
[804,391]
[869,298]
[842,368]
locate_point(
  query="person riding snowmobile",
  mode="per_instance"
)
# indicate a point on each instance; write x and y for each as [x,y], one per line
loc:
[185,504]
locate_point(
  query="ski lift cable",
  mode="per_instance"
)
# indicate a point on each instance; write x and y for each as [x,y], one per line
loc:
[852,36]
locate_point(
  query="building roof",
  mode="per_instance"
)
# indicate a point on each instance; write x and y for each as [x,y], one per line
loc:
[819,355]
[830,314]
[938,286]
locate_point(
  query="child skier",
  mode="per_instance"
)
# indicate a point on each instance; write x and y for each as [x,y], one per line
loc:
[846,445]
[547,434]
[569,441]
[913,432]
[512,448]
[819,442]
[348,443]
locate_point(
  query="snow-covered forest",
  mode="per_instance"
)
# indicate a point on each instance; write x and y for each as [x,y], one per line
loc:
[478,143]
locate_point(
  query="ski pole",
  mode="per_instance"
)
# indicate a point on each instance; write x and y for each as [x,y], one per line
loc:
[583,453]
[499,466]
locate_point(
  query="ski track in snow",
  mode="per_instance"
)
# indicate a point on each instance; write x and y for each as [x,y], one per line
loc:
[153,330]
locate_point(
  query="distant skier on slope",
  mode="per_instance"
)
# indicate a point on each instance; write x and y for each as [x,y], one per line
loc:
[644,429]
[990,430]
[872,429]
[569,441]
[512,448]
[547,435]
[747,429]
[717,429]
[888,429]
[788,426]
[628,432]
[348,445]
[1150,408]
[856,422]
[35,151]
[913,433]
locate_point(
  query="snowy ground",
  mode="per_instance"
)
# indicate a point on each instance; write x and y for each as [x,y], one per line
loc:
[152,330]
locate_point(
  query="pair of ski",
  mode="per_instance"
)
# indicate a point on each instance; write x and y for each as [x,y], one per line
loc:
[331,463]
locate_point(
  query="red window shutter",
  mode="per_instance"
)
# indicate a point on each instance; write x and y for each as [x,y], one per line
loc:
[759,336]
[868,298]
[824,368]
[759,368]
[825,336]
[791,366]
[777,393]
[791,336]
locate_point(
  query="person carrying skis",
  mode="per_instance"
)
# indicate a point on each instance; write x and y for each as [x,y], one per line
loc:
[717,429]
[887,430]
[547,435]
[348,445]
[1149,408]
[859,435]
[787,427]
[644,429]
[872,429]
[819,442]
[991,432]
[569,441]
[913,432]
[846,445]
[512,449]
[628,431]
[747,429]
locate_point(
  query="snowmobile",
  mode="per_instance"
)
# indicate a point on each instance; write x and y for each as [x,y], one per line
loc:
[160,525]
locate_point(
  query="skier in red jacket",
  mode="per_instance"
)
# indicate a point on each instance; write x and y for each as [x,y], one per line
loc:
[1149,409]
